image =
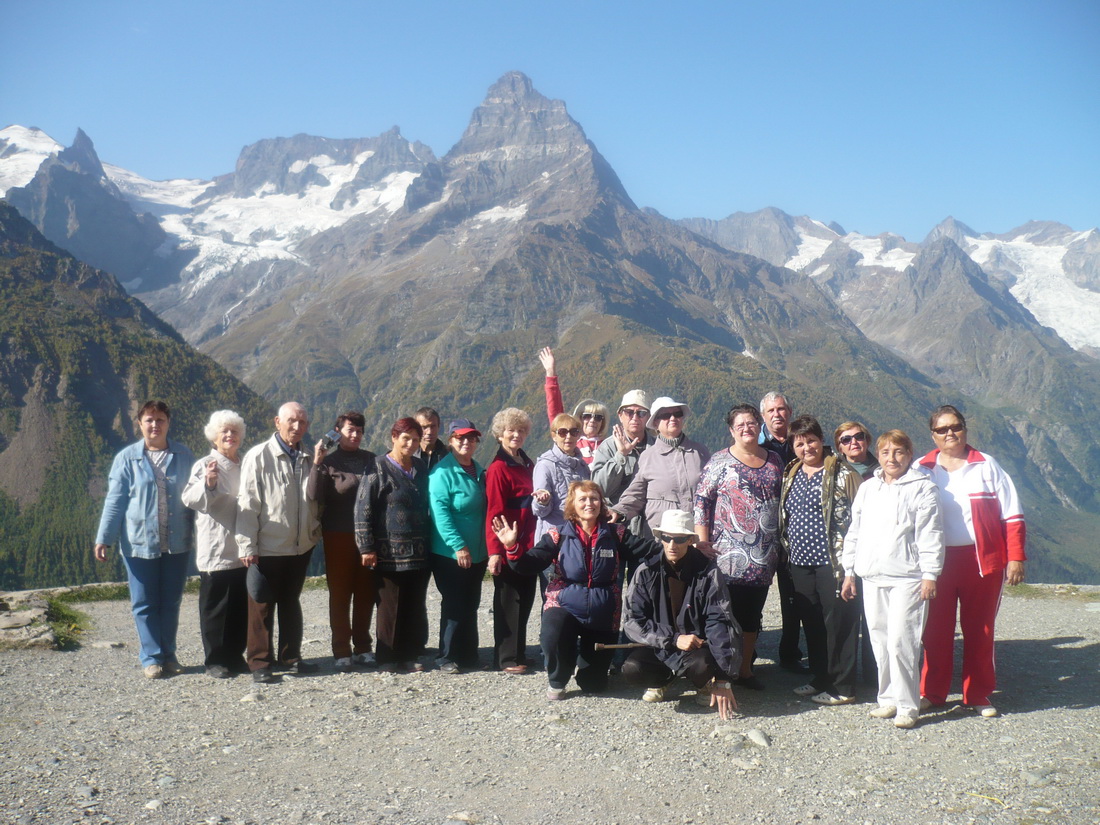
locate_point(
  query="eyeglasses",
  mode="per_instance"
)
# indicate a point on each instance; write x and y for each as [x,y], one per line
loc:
[670,414]
[950,428]
[562,432]
[676,539]
[848,439]
[631,412]
[597,417]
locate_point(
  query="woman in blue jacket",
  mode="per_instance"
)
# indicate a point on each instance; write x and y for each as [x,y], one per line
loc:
[583,602]
[144,514]
[456,493]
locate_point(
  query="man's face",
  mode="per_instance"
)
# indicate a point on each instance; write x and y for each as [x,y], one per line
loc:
[778,416]
[430,426]
[676,547]
[291,423]
[633,419]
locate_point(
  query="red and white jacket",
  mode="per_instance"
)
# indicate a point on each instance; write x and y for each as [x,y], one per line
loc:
[999,530]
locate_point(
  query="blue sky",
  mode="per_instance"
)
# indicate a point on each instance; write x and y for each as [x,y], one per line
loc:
[880,116]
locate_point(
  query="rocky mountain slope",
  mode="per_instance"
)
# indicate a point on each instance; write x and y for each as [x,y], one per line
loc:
[78,356]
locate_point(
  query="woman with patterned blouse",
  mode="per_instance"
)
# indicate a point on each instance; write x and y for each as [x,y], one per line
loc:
[736,517]
[815,509]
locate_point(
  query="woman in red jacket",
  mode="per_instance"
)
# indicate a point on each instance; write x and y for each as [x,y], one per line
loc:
[984,531]
[508,493]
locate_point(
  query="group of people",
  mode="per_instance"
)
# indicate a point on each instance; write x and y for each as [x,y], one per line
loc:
[653,556]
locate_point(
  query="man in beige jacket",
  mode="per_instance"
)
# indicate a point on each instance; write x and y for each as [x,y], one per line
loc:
[277,527]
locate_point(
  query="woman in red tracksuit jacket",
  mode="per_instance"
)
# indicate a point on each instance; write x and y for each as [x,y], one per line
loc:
[985,535]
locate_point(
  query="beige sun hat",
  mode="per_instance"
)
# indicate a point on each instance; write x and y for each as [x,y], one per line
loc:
[676,523]
[665,403]
[634,398]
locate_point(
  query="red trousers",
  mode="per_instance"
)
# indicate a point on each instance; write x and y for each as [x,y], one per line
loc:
[350,595]
[961,590]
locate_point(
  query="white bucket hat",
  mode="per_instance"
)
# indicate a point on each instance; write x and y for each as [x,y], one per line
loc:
[676,523]
[634,398]
[665,403]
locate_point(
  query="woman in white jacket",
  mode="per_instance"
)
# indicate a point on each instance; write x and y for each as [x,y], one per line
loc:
[895,545]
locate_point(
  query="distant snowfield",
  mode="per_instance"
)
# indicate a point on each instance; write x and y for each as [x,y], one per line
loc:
[874,252]
[22,151]
[1044,288]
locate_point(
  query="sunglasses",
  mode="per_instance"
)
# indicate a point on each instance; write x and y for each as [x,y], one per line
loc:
[848,439]
[676,539]
[633,413]
[950,428]
[671,414]
[591,416]
[466,437]
[563,432]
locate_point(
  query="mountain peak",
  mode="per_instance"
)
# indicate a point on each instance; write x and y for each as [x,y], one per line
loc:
[81,156]
[950,228]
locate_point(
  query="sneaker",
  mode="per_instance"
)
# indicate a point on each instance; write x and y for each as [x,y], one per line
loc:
[264,676]
[364,659]
[515,670]
[554,694]
[805,690]
[415,666]
[826,698]
[343,664]
[218,672]
[171,667]
[656,694]
[884,712]
[302,668]
[153,671]
[988,711]
[904,720]
[702,697]
[448,667]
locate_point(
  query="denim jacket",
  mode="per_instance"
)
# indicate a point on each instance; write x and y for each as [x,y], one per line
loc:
[130,509]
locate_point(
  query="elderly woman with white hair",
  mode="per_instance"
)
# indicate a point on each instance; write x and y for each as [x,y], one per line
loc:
[211,491]
[668,471]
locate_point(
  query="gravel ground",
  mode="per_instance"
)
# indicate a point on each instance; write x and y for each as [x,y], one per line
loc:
[85,739]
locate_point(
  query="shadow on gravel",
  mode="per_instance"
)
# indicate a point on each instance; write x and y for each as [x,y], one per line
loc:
[1038,674]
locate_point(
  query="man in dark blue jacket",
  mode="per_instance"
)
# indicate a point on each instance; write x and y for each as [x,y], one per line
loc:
[679,609]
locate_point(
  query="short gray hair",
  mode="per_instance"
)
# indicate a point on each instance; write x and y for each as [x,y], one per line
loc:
[220,420]
[773,396]
[510,418]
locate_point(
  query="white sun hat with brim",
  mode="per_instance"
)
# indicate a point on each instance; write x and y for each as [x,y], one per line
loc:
[634,398]
[676,523]
[665,403]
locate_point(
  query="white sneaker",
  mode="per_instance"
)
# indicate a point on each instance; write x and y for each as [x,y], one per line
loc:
[826,698]
[805,690]
[655,694]
[343,664]
[364,659]
[988,711]
[554,694]
[884,712]
[925,704]
[906,721]
[702,697]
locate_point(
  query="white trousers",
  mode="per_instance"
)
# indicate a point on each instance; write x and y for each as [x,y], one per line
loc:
[895,621]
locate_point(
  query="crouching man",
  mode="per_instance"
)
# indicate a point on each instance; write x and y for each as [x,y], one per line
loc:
[679,609]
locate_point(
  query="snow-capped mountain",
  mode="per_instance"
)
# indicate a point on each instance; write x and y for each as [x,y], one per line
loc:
[1051,269]
[22,151]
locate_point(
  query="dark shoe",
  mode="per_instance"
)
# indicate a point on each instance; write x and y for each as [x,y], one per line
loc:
[218,672]
[264,676]
[171,667]
[794,666]
[750,682]
[302,668]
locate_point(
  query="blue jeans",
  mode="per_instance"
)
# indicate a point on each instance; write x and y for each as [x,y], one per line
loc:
[156,590]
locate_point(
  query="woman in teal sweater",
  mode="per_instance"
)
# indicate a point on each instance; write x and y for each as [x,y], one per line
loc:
[456,491]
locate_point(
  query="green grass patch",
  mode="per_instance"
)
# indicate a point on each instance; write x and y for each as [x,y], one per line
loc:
[68,623]
[1055,591]
[93,593]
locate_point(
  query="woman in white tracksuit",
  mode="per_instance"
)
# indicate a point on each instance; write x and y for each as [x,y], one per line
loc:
[895,545]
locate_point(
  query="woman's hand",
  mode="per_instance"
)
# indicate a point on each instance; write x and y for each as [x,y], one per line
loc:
[318,452]
[688,641]
[722,697]
[496,564]
[506,534]
[368,560]
[100,552]
[848,591]
[546,357]
[626,445]
[614,517]
[542,496]
[248,561]
[707,549]
[927,590]
[211,474]
[464,559]
[1015,573]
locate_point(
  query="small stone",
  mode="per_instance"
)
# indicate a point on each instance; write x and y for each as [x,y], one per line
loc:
[108,645]
[253,696]
[154,805]
[86,791]
[759,738]
[166,781]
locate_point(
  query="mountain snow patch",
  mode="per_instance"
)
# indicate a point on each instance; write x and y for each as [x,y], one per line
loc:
[501,213]
[22,151]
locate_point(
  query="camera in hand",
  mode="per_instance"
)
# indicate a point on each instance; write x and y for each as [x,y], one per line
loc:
[330,438]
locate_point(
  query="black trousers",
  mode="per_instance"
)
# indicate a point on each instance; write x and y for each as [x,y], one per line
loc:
[460,591]
[402,617]
[513,596]
[831,625]
[644,669]
[285,575]
[569,645]
[223,617]
[789,652]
